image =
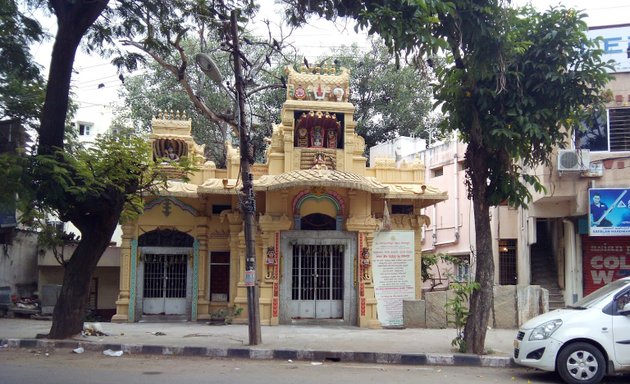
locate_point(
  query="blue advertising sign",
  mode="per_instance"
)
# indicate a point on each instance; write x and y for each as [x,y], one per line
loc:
[609,211]
[614,43]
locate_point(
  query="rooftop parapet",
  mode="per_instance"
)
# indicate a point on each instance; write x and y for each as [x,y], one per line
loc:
[324,83]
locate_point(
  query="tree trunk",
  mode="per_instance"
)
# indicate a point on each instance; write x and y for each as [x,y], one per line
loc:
[73,20]
[481,300]
[96,229]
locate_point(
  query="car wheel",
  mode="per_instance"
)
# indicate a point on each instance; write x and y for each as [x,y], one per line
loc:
[581,363]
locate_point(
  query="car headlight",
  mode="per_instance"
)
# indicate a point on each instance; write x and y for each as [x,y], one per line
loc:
[544,330]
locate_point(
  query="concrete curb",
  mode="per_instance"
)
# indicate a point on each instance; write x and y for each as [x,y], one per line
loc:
[256,353]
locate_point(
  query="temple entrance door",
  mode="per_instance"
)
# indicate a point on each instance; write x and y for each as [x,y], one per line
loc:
[317,281]
[164,284]
[317,277]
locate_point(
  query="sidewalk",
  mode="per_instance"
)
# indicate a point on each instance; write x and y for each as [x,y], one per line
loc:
[296,342]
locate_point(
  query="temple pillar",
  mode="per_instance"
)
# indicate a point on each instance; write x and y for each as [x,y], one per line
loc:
[271,226]
[201,272]
[238,290]
[365,226]
[123,300]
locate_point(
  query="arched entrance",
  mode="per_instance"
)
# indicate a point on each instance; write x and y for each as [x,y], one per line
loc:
[164,280]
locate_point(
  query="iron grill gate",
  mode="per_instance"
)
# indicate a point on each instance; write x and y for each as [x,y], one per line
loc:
[165,276]
[317,280]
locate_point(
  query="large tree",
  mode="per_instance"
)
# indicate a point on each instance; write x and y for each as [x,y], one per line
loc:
[512,79]
[159,29]
[95,207]
[161,85]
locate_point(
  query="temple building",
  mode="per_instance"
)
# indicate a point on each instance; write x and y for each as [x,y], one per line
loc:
[319,209]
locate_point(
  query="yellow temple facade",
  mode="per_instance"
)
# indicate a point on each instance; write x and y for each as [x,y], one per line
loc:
[318,209]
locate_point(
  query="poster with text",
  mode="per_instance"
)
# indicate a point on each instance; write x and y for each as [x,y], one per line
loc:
[604,259]
[393,272]
[609,211]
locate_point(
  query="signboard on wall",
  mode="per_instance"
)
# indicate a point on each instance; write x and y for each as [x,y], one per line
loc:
[609,211]
[393,272]
[605,259]
[614,44]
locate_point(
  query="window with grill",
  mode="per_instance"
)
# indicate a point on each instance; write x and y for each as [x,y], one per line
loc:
[619,129]
[605,131]
[507,262]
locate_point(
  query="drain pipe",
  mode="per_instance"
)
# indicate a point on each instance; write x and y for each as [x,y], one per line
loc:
[570,283]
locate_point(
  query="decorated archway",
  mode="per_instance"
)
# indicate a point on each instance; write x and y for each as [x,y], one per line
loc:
[318,209]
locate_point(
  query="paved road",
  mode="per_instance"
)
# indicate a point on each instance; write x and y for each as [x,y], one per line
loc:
[63,367]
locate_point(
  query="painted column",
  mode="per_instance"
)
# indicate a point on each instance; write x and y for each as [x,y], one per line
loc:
[201,273]
[365,227]
[238,292]
[271,225]
[123,302]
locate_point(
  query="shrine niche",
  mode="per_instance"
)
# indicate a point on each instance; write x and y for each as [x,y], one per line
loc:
[318,159]
[169,150]
[317,130]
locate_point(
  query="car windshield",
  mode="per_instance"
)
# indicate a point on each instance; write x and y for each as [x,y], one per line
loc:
[595,297]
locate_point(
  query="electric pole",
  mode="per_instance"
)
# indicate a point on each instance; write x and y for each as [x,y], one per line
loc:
[247,198]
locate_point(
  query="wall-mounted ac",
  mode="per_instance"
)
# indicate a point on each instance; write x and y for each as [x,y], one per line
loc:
[574,160]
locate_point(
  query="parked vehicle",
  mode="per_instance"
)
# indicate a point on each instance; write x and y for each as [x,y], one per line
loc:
[582,342]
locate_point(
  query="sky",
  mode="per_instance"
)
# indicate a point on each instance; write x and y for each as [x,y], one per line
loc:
[96,82]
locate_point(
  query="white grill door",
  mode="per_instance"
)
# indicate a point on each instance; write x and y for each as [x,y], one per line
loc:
[317,282]
[164,284]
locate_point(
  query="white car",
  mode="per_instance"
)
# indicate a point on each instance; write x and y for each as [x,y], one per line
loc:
[582,342]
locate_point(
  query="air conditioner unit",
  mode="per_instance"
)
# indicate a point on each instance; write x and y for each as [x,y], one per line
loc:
[574,160]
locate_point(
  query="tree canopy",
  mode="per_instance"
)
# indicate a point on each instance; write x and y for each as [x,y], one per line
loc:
[390,100]
[511,78]
[21,83]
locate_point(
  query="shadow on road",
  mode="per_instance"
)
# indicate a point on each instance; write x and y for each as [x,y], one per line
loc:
[536,376]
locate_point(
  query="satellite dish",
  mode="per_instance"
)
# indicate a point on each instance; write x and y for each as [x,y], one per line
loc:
[208,67]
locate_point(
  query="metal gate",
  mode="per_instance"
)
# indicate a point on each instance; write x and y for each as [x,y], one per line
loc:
[317,281]
[164,287]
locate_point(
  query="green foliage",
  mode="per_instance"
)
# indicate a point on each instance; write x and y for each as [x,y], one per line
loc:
[457,306]
[157,89]
[514,93]
[171,80]
[21,83]
[53,238]
[74,184]
[12,170]
[457,310]
[431,264]
[157,24]
[386,105]
[226,315]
